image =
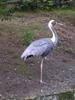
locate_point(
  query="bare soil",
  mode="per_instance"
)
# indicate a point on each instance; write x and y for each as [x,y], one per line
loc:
[19,79]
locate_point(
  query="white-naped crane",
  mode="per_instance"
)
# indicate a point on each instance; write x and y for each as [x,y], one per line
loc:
[42,47]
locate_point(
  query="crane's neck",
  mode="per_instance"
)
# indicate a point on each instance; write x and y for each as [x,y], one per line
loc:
[55,36]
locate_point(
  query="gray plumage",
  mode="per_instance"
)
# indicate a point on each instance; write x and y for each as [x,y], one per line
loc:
[42,47]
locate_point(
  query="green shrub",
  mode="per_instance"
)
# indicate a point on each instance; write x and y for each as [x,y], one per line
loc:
[28,36]
[6,13]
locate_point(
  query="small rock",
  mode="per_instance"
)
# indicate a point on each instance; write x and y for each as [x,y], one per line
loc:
[15,69]
[0,95]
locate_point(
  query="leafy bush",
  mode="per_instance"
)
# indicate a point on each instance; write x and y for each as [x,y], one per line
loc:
[33,5]
[28,36]
[6,13]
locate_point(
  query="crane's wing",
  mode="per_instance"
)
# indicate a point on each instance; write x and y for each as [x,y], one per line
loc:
[39,47]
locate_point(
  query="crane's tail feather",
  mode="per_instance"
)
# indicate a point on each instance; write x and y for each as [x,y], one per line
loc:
[25,57]
[29,56]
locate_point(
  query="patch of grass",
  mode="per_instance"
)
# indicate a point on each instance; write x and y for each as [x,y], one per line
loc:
[62,13]
[61,96]
[5,13]
[66,96]
[1,10]
[28,36]
[66,11]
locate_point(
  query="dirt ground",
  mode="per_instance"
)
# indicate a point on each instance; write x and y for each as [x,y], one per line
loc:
[19,79]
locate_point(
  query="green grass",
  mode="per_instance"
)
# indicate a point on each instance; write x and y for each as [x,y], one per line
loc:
[28,36]
[64,11]
[61,96]
[66,96]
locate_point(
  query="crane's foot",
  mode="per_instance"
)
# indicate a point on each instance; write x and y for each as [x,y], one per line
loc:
[42,82]
[46,59]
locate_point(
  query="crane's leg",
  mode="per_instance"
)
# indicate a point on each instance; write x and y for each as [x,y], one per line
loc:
[41,67]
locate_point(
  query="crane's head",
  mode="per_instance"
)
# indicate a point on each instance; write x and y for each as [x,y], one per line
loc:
[53,22]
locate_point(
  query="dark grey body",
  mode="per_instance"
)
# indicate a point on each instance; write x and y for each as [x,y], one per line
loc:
[41,47]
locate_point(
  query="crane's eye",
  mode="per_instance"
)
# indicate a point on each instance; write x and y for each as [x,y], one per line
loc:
[54,23]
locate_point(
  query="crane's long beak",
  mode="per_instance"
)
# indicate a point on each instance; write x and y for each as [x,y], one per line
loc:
[59,23]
